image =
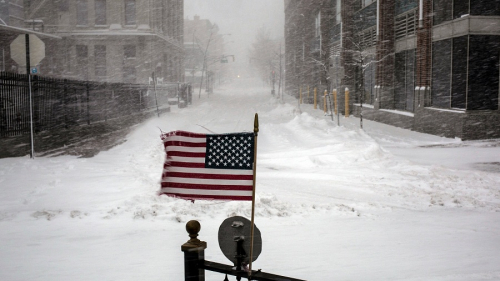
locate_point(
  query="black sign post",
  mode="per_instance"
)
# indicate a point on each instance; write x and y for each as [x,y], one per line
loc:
[28,73]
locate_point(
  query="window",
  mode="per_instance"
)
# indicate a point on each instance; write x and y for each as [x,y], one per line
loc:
[317,24]
[82,62]
[129,51]
[369,80]
[405,5]
[442,11]
[460,8]
[129,74]
[100,12]
[410,80]
[81,12]
[338,12]
[303,51]
[81,51]
[483,80]
[465,72]
[441,73]
[100,60]
[318,31]
[63,5]
[130,12]
[459,72]
[485,8]
[365,3]
[404,76]
[335,79]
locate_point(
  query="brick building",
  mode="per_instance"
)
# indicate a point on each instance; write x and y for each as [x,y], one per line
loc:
[427,65]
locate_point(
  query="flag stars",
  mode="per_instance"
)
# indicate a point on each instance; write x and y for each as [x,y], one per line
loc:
[233,151]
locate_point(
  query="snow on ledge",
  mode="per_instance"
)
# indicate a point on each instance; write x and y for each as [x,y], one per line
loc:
[365,105]
[398,112]
[388,110]
[447,110]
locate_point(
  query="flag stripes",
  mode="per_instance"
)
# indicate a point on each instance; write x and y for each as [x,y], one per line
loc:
[210,176]
[208,187]
[189,171]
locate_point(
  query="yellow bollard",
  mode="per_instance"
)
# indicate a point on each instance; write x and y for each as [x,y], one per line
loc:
[335,100]
[315,99]
[300,95]
[324,102]
[346,102]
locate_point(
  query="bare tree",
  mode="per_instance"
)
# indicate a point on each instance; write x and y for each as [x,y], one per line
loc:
[265,55]
[362,60]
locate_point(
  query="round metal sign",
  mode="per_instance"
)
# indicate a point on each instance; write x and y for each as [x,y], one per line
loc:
[236,231]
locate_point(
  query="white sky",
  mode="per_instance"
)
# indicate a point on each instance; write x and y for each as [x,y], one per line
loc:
[241,18]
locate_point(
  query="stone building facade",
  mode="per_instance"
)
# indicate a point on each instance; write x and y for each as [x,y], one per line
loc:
[427,65]
[111,41]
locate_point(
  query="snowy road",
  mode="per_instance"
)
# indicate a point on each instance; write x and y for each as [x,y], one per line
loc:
[333,203]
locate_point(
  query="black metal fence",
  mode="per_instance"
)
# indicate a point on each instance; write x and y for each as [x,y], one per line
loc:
[65,103]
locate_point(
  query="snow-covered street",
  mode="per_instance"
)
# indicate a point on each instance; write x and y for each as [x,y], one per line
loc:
[333,202]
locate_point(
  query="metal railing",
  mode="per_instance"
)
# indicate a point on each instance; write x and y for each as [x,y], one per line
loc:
[195,263]
[65,103]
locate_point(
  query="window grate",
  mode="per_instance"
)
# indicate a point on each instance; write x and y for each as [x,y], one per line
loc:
[405,24]
[367,38]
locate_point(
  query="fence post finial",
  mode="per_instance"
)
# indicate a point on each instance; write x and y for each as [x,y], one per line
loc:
[194,253]
[193,227]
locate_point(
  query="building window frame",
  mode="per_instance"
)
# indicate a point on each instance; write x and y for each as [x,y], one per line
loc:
[100,60]
[129,51]
[317,30]
[366,3]
[130,12]
[129,74]
[317,24]
[82,60]
[82,12]
[338,11]
[100,12]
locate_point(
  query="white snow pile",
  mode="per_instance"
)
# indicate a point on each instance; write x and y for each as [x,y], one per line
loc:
[304,165]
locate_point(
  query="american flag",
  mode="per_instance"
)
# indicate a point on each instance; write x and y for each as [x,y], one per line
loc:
[208,166]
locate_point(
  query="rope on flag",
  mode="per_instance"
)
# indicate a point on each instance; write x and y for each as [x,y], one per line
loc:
[208,166]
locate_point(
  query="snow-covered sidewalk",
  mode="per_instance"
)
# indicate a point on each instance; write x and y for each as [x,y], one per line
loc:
[333,203]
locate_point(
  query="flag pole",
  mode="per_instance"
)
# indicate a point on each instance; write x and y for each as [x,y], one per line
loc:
[256,132]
